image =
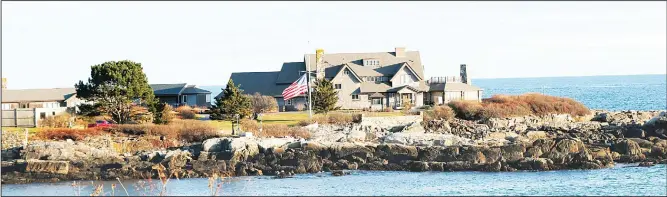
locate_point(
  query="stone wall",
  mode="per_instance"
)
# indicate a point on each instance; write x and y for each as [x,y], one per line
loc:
[392,121]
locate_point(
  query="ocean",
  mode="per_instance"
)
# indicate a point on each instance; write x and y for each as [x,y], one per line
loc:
[614,93]
[621,180]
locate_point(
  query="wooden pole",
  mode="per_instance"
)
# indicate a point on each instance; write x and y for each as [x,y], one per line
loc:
[25,142]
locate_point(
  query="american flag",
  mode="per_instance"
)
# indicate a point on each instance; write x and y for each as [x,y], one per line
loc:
[298,87]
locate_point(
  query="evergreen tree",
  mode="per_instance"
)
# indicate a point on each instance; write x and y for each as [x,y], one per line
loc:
[324,96]
[116,86]
[232,102]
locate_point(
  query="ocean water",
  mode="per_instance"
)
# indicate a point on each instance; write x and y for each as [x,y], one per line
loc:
[621,180]
[615,93]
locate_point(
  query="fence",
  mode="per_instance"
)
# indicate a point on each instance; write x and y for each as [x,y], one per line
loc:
[19,118]
[28,117]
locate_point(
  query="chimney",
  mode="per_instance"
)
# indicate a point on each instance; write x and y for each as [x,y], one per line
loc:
[399,51]
[319,66]
[464,75]
[4,83]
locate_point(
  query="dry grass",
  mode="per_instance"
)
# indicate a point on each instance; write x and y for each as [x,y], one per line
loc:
[331,118]
[57,121]
[439,113]
[502,106]
[186,112]
[63,134]
[273,130]
[187,130]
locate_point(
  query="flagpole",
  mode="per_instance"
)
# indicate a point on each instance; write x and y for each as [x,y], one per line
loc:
[310,104]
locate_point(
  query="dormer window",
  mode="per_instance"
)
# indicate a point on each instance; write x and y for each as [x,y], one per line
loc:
[371,62]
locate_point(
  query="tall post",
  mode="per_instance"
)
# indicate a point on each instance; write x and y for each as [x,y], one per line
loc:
[310,103]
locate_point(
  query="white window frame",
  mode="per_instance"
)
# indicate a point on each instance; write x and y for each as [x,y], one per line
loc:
[288,102]
[347,72]
[356,96]
[338,86]
[208,98]
[184,98]
[6,106]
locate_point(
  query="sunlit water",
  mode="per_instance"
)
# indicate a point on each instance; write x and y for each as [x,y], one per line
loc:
[620,180]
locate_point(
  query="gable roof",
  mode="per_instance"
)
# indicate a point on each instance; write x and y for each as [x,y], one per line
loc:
[389,63]
[452,87]
[342,68]
[405,65]
[34,95]
[192,89]
[168,89]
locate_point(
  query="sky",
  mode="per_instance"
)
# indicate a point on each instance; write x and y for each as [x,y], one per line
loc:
[53,44]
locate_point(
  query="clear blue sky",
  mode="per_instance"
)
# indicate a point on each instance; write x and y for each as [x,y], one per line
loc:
[53,44]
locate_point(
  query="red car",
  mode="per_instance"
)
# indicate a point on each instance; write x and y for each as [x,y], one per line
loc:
[100,124]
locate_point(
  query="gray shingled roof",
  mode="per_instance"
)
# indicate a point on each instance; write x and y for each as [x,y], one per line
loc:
[167,89]
[192,89]
[452,87]
[389,63]
[290,72]
[32,95]
[261,82]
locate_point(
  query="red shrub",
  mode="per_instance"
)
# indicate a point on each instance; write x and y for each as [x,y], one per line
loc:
[64,133]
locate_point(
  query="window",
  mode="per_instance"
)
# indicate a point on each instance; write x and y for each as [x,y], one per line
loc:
[355,97]
[208,98]
[42,115]
[288,102]
[53,113]
[347,72]
[6,106]
[377,101]
[184,99]
[337,86]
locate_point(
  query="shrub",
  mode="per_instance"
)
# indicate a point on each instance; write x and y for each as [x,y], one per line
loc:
[57,121]
[188,115]
[187,130]
[63,134]
[440,113]
[406,106]
[273,130]
[262,104]
[183,108]
[164,114]
[502,106]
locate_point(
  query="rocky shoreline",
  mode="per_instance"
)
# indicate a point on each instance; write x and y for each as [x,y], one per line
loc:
[555,142]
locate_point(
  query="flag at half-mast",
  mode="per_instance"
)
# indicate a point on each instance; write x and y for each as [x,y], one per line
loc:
[298,87]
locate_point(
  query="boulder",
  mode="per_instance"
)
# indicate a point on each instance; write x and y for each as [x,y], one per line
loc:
[235,149]
[513,152]
[432,153]
[418,166]
[540,164]
[396,152]
[41,166]
[646,164]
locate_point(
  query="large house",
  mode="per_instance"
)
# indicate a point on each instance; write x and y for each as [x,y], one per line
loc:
[182,94]
[363,80]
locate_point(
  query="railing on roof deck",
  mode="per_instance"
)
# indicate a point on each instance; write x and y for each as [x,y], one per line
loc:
[447,79]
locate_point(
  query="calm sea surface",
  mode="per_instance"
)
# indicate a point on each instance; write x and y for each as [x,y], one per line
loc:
[618,181]
[629,92]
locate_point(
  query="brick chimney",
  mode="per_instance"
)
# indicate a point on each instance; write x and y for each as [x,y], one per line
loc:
[464,75]
[4,83]
[399,51]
